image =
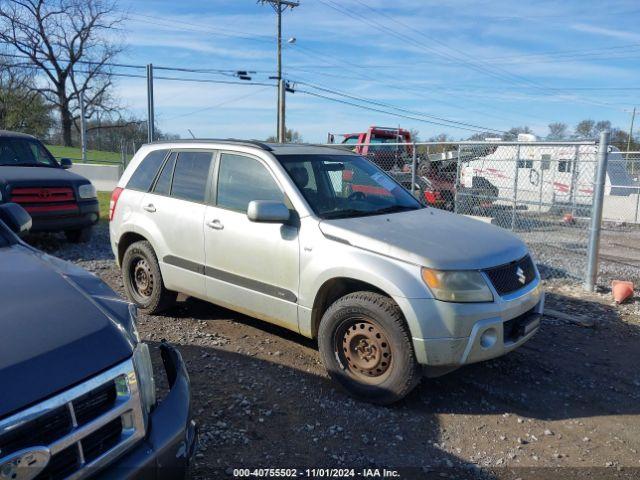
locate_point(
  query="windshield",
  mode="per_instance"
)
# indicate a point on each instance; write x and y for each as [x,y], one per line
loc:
[24,152]
[341,186]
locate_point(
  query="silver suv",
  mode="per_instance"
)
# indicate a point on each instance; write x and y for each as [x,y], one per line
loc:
[321,241]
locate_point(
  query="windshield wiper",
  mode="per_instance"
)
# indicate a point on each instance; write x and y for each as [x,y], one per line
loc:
[351,212]
[392,209]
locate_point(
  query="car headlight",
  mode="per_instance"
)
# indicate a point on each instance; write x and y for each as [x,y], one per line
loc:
[87,191]
[457,286]
[144,372]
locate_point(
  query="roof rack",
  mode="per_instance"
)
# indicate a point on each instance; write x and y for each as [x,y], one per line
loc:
[228,141]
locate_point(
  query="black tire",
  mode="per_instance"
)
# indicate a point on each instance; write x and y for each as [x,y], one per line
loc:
[143,280]
[81,235]
[365,374]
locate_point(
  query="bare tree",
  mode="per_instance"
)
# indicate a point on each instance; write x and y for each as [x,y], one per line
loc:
[67,41]
[557,131]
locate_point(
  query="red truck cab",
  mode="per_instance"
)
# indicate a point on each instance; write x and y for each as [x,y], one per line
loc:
[379,144]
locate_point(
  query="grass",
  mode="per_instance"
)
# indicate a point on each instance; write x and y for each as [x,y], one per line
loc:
[103,199]
[93,156]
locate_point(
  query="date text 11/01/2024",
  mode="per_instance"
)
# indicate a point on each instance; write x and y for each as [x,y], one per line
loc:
[316,473]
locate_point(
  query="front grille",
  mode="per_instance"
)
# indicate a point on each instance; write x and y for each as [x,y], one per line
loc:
[45,199]
[84,427]
[512,276]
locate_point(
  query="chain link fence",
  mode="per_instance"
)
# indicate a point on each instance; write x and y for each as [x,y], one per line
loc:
[542,191]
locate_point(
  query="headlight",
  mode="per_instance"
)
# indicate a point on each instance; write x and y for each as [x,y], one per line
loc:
[144,372]
[87,191]
[457,286]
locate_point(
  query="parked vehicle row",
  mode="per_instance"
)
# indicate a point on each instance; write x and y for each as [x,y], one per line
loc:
[321,241]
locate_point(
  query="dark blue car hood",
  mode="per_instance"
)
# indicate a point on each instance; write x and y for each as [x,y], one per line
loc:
[39,176]
[59,325]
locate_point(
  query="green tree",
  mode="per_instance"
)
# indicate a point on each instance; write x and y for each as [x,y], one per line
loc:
[22,108]
[292,136]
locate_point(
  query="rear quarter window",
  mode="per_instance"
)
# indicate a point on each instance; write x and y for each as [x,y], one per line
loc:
[147,170]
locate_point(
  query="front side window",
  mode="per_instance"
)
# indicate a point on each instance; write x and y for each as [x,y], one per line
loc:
[340,186]
[191,175]
[24,152]
[143,176]
[564,166]
[244,179]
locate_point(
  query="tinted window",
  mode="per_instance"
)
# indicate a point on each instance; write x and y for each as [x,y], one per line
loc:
[24,151]
[143,177]
[243,179]
[163,185]
[190,176]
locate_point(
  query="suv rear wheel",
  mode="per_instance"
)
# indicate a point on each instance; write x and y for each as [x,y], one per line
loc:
[366,347]
[143,279]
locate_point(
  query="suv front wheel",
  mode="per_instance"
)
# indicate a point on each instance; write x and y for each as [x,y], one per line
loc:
[366,347]
[143,279]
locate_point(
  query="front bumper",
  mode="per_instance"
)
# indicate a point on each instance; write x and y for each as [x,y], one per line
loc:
[453,334]
[87,214]
[172,437]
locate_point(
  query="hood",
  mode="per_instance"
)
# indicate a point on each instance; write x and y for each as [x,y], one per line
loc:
[429,237]
[59,326]
[39,176]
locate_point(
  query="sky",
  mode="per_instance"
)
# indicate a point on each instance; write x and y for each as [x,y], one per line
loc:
[487,65]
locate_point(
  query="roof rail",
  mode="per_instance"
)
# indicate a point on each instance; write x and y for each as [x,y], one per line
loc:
[229,141]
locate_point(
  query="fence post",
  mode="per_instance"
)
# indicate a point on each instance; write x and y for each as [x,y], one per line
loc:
[515,190]
[83,129]
[596,213]
[458,185]
[414,166]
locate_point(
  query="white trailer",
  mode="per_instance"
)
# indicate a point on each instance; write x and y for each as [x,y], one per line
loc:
[543,176]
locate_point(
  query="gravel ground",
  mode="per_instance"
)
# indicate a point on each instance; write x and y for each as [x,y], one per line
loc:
[565,405]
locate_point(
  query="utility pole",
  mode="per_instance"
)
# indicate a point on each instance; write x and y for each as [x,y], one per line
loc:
[633,117]
[150,114]
[83,129]
[280,6]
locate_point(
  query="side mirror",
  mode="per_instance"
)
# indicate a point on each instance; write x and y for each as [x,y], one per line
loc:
[268,211]
[66,163]
[16,218]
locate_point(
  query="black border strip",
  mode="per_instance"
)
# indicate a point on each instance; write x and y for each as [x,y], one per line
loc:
[232,278]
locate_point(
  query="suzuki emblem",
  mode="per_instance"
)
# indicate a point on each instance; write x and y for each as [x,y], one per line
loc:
[24,464]
[521,276]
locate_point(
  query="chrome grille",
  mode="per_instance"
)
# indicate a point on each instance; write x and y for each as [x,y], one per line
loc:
[84,428]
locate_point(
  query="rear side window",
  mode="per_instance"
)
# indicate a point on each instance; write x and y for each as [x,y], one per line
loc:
[143,177]
[163,185]
[190,176]
[243,179]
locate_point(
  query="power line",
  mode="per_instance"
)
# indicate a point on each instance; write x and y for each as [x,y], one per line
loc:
[217,105]
[472,63]
[373,109]
[386,105]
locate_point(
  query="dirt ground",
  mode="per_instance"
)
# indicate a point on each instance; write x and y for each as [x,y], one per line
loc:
[565,405]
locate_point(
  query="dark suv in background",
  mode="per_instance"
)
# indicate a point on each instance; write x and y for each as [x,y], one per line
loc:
[56,199]
[77,395]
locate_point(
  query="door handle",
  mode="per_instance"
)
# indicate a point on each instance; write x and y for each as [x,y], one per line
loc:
[150,208]
[215,224]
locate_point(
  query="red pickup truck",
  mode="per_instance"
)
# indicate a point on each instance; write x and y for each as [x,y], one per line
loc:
[392,150]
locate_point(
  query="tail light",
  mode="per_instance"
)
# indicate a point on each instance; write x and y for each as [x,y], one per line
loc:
[432,196]
[115,195]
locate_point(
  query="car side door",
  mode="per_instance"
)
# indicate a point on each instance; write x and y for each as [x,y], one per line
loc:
[250,267]
[176,206]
